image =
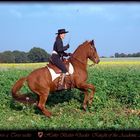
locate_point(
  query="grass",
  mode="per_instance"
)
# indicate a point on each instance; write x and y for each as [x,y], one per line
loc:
[116,103]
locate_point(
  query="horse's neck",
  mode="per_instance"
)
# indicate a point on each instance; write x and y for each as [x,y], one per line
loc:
[80,54]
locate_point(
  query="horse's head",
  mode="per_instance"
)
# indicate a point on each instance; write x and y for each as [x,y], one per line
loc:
[92,52]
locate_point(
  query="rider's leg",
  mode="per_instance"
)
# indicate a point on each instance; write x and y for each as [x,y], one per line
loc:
[61,82]
[62,77]
[59,64]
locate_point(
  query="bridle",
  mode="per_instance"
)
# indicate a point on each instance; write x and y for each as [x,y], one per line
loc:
[91,65]
[81,61]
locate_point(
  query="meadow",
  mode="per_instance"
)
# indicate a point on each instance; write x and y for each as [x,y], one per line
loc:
[116,103]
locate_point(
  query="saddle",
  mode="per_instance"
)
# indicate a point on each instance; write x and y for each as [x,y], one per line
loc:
[55,68]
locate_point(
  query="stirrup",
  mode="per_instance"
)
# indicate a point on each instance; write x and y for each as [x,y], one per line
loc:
[60,87]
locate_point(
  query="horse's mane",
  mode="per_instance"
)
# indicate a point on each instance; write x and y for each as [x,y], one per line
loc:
[81,45]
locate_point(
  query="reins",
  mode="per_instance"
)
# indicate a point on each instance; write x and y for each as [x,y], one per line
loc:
[91,65]
[77,59]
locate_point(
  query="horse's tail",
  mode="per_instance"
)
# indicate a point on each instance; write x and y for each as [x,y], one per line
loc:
[17,95]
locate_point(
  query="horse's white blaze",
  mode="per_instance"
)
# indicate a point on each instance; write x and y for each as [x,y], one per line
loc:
[54,75]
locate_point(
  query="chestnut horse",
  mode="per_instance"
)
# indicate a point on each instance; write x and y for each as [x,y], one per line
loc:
[40,80]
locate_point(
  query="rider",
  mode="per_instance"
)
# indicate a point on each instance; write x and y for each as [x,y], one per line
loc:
[58,53]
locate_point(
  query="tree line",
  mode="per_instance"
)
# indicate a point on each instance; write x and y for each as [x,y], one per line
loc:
[127,55]
[37,54]
[118,55]
[34,55]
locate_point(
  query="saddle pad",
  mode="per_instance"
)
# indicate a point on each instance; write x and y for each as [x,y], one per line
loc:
[54,75]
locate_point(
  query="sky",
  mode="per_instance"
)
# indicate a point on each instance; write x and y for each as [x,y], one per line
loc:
[114,26]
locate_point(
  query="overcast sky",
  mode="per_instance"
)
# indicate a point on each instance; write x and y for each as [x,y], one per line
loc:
[115,26]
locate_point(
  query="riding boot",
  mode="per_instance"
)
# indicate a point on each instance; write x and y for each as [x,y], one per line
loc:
[60,85]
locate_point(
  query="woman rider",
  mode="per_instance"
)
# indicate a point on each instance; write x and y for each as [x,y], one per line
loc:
[58,53]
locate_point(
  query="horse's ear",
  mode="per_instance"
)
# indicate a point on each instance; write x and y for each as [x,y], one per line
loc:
[92,42]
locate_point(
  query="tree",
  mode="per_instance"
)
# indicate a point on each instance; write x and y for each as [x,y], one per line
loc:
[7,57]
[127,55]
[123,55]
[20,57]
[138,54]
[38,55]
[116,54]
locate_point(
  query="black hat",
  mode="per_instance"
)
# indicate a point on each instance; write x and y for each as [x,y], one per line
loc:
[61,31]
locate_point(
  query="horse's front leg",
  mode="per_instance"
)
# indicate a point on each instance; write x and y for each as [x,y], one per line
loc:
[91,94]
[85,87]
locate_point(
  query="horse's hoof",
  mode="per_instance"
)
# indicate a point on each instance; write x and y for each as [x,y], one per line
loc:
[48,114]
[90,103]
[84,108]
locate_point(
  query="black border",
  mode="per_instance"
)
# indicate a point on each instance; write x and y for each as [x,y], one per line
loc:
[76,133]
[43,134]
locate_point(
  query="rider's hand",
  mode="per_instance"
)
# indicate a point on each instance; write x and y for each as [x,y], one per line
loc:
[69,54]
[67,46]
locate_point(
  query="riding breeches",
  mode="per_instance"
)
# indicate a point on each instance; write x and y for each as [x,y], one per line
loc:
[56,61]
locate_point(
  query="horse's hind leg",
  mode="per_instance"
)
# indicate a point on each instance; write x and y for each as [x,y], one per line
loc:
[43,96]
[41,104]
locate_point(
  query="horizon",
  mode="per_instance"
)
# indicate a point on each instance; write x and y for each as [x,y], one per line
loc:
[113,25]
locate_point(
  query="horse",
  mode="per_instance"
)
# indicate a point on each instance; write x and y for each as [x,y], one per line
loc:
[41,82]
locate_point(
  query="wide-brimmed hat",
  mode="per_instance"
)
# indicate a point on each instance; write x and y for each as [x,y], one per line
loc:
[61,31]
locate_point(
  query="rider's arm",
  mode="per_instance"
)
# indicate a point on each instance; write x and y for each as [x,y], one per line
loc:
[59,46]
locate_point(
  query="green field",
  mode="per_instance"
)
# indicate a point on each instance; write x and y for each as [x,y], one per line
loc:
[116,103]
